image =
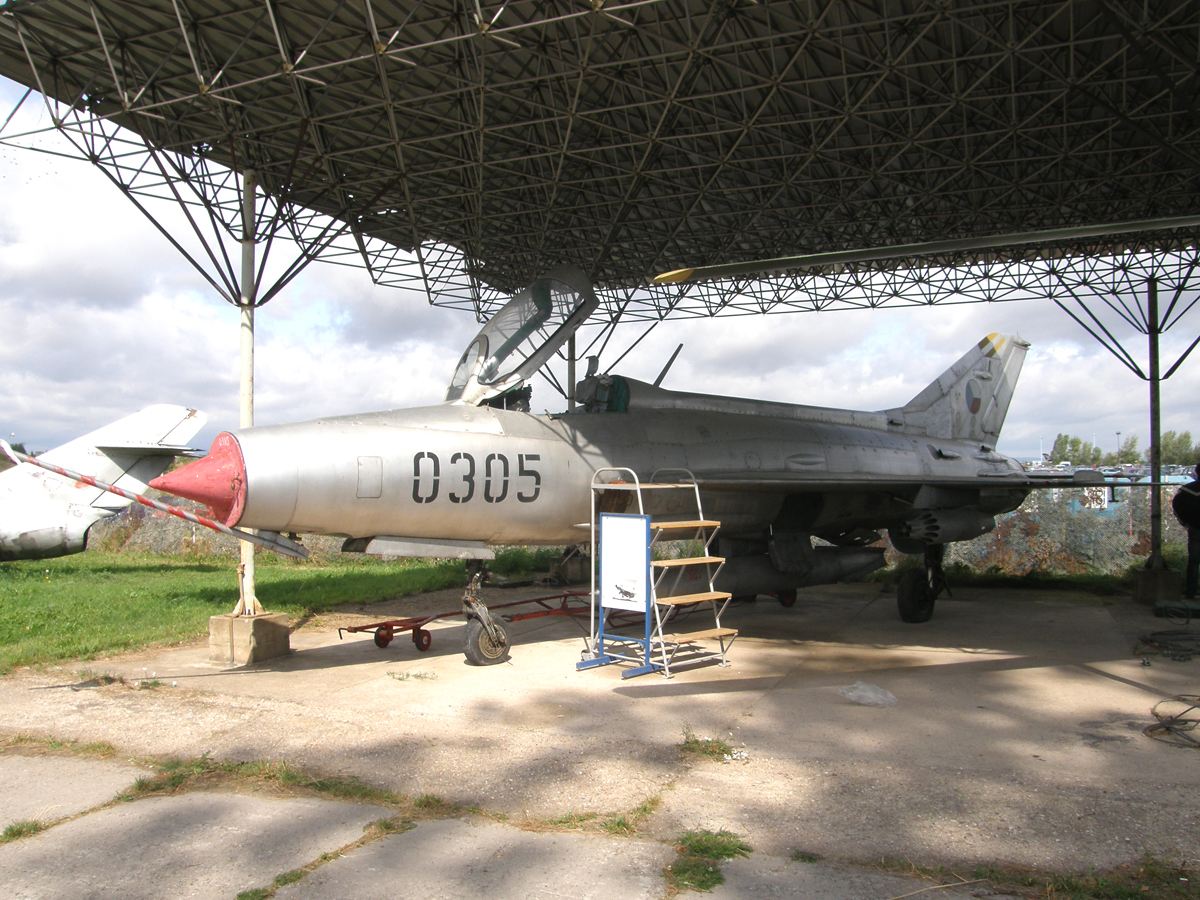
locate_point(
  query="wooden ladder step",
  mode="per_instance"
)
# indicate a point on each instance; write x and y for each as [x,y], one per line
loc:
[692,524]
[686,599]
[687,561]
[701,635]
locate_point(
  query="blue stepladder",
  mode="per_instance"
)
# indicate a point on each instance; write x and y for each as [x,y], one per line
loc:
[627,580]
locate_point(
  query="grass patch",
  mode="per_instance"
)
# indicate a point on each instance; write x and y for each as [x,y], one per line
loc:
[511,561]
[1149,879]
[700,853]
[629,823]
[381,827]
[619,825]
[689,873]
[433,803]
[94,603]
[175,775]
[100,749]
[713,844]
[255,894]
[802,856]
[289,877]
[572,820]
[695,745]
[413,676]
[17,830]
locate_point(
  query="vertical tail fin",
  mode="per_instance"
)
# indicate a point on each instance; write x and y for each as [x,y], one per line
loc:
[131,451]
[969,401]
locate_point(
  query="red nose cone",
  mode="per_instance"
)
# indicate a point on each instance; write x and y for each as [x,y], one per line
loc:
[218,480]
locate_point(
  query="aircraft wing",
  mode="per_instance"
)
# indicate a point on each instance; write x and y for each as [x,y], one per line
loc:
[801,482]
[148,449]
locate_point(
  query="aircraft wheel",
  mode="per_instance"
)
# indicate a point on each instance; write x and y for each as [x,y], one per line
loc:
[787,598]
[423,639]
[383,636]
[479,647]
[914,597]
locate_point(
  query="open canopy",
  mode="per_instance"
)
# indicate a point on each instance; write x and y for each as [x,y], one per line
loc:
[523,335]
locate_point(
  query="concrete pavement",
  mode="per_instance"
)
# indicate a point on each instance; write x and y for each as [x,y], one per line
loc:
[1015,739]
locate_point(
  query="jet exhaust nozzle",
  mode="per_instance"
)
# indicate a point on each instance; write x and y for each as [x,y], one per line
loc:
[217,480]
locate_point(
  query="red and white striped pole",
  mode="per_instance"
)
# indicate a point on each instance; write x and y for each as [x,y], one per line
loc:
[278,543]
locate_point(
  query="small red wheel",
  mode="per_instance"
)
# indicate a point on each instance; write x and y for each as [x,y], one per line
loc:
[787,598]
[422,638]
[383,635]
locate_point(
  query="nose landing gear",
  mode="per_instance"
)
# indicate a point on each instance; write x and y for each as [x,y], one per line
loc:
[485,642]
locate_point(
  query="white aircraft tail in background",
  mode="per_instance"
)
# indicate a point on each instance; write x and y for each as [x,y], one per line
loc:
[43,515]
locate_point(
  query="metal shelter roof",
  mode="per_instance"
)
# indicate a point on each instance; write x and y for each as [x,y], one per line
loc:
[484,144]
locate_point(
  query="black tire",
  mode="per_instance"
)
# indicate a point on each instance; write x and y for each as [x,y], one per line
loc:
[383,636]
[478,646]
[914,597]
[423,639]
[787,599]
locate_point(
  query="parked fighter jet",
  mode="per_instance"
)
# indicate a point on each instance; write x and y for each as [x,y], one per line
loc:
[43,515]
[801,492]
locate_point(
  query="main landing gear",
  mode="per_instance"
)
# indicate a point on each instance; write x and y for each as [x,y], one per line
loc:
[919,588]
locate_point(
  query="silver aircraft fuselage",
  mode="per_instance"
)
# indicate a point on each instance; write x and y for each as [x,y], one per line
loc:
[505,477]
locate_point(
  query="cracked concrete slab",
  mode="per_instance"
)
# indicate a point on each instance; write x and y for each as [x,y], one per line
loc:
[772,878]
[197,845]
[459,859]
[47,788]
[1016,737]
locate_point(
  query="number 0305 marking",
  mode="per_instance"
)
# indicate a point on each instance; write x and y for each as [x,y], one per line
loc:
[462,473]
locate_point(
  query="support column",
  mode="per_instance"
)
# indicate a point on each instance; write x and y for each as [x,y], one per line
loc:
[571,373]
[1155,561]
[247,600]
[1156,584]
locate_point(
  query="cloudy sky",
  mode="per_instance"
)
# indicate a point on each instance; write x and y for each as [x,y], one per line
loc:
[101,316]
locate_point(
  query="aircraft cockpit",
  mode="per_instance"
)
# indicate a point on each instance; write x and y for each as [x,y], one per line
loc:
[520,338]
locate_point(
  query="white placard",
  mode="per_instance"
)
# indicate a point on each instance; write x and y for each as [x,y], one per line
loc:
[624,561]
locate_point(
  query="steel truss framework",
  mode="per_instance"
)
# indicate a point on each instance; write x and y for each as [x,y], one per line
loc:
[463,149]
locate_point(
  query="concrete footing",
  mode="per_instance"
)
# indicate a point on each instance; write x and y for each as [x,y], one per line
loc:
[241,640]
[1157,585]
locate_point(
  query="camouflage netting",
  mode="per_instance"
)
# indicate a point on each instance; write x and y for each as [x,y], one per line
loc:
[1071,532]
[139,529]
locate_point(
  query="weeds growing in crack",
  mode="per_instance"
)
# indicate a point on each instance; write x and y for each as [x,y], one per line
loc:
[630,822]
[694,745]
[17,830]
[700,854]
[1148,879]
[572,821]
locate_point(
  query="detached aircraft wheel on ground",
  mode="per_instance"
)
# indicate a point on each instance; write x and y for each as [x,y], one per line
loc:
[914,596]
[383,636]
[480,648]
[787,598]
[423,639]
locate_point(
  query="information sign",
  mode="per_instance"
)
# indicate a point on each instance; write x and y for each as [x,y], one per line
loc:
[624,562]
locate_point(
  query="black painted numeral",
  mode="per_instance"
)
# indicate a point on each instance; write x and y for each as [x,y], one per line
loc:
[489,478]
[436,467]
[468,478]
[523,472]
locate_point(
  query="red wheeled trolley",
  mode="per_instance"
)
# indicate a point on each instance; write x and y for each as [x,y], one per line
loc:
[553,605]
